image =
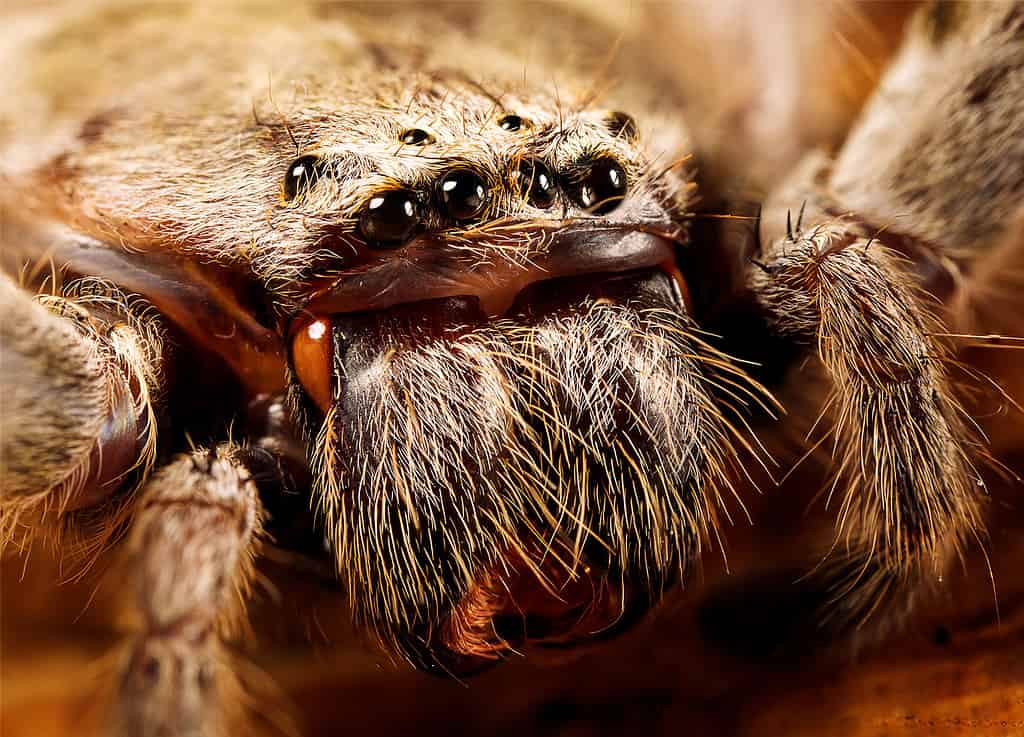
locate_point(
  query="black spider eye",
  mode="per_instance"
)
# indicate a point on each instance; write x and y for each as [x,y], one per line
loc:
[389,218]
[622,125]
[302,174]
[415,137]
[536,184]
[511,123]
[462,194]
[602,187]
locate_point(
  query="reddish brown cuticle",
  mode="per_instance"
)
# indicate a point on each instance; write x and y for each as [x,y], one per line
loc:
[312,359]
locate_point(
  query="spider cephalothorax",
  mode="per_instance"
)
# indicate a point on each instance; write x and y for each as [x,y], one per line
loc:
[476,286]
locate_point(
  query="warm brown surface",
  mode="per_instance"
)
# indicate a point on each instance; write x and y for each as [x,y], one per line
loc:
[726,661]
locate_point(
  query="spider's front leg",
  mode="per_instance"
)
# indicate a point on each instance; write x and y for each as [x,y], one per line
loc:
[82,385]
[79,391]
[190,556]
[861,254]
[909,495]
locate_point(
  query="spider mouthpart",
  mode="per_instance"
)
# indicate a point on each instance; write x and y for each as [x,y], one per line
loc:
[571,249]
[389,218]
[427,386]
[312,357]
[440,405]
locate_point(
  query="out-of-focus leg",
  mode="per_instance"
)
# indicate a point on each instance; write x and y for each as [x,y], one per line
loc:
[189,561]
[79,388]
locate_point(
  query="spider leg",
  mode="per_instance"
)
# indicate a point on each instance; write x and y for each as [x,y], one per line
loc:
[189,559]
[79,391]
[923,190]
[909,495]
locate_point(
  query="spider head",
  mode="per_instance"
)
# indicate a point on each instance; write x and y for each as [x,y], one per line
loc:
[508,427]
